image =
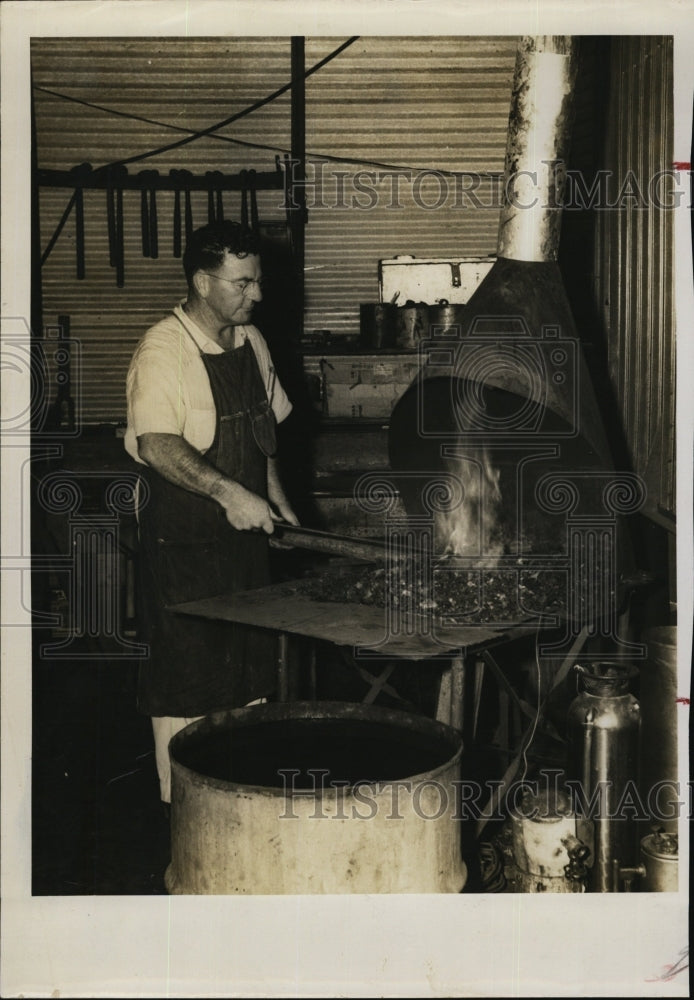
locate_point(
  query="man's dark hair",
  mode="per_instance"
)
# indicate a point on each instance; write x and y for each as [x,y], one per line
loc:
[208,246]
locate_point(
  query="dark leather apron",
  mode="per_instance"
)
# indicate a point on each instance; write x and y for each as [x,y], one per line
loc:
[189,551]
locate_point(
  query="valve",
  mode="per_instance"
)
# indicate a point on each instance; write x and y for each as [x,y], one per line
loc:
[576,870]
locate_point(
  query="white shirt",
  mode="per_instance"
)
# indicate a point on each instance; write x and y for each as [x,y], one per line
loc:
[168,389]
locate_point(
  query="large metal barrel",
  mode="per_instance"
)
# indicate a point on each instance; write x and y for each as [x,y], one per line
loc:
[658,696]
[315,797]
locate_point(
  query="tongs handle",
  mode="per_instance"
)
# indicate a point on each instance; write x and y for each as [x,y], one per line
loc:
[325,541]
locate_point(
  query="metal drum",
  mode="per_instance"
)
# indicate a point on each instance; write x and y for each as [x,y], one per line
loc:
[658,698]
[315,797]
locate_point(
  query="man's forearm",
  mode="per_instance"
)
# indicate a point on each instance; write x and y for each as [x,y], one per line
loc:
[176,460]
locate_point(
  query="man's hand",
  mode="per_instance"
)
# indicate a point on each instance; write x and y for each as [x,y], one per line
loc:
[277,495]
[286,512]
[174,459]
[244,510]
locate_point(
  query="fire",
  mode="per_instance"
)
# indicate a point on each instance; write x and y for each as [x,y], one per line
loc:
[471,528]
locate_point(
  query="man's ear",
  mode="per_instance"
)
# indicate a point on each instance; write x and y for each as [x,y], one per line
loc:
[201,284]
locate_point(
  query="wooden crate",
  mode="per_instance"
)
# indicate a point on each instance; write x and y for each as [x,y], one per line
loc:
[362,386]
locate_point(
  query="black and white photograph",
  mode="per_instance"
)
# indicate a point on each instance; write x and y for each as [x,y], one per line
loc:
[347,499]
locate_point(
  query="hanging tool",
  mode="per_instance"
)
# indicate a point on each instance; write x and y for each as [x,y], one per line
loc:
[215,212]
[114,218]
[186,175]
[144,223]
[244,203]
[175,175]
[111,217]
[148,213]
[153,221]
[120,249]
[80,173]
[255,224]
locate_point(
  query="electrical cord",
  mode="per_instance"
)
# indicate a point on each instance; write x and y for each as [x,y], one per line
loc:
[311,155]
[536,720]
[239,114]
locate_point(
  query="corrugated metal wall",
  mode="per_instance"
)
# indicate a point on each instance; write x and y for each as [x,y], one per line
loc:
[634,248]
[423,104]
[431,106]
[187,82]
[415,103]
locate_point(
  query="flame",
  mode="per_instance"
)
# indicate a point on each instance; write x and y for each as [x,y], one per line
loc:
[471,528]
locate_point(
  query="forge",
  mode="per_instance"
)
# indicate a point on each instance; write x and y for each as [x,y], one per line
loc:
[503,415]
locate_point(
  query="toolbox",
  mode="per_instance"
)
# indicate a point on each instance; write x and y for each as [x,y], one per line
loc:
[431,279]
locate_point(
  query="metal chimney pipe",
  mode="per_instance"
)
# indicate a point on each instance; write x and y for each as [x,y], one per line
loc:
[537,146]
[513,376]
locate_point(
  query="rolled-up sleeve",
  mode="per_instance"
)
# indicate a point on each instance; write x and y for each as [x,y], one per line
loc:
[155,394]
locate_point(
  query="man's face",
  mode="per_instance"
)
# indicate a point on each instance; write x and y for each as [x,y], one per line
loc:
[233,289]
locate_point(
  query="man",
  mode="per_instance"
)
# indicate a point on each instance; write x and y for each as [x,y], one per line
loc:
[203,401]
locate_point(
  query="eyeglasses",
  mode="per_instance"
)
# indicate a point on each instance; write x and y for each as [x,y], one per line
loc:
[243,284]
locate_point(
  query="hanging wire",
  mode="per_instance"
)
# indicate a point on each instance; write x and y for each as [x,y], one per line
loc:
[191,137]
[539,707]
[59,228]
[239,114]
[311,155]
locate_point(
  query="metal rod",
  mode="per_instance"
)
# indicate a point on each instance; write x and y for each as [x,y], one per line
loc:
[268,180]
[282,666]
[339,545]
[297,218]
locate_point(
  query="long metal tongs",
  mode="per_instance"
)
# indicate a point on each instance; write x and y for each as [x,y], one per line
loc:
[369,549]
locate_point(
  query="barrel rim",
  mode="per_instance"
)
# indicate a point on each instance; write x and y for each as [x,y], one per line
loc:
[282,710]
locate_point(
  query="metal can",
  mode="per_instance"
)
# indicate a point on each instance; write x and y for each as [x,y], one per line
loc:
[659,857]
[546,839]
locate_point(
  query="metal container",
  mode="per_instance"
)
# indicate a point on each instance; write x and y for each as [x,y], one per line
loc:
[604,724]
[411,325]
[273,799]
[429,279]
[550,845]
[445,319]
[377,324]
[659,855]
[658,698]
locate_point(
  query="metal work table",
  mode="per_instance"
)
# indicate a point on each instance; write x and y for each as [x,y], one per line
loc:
[284,608]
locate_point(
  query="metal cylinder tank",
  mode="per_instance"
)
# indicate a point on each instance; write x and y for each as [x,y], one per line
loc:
[658,697]
[550,845]
[315,797]
[603,726]
[659,854]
